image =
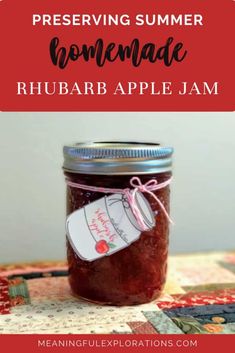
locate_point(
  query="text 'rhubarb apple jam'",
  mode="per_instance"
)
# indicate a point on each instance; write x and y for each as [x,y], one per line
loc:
[117,220]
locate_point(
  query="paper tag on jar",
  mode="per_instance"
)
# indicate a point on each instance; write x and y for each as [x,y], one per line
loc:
[106,226]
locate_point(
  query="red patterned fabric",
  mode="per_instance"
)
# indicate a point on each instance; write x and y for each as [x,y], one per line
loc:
[4,297]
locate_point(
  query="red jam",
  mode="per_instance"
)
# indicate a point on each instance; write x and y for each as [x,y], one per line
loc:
[133,275]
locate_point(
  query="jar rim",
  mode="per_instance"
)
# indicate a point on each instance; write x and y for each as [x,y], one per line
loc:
[117,158]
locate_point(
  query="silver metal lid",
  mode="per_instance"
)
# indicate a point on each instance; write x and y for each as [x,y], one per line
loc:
[117,158]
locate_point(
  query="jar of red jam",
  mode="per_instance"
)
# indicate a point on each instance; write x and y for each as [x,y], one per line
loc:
[118,220]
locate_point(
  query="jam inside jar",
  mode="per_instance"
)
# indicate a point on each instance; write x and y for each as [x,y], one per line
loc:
[137,273]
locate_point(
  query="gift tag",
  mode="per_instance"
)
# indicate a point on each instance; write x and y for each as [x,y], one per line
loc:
[106,226]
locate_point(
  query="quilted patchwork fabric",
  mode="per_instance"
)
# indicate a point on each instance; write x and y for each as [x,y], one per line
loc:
[199,298]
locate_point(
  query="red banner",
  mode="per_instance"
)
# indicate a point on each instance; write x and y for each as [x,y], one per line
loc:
[117,55]
[117,343]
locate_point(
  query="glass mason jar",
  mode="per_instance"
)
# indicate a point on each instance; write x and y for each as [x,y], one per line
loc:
[114,257]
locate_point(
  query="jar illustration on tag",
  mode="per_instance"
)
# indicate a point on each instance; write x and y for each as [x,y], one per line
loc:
[108,225]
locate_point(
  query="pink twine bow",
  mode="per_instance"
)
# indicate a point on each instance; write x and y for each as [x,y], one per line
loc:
[130,194]
[149,187]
